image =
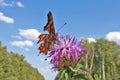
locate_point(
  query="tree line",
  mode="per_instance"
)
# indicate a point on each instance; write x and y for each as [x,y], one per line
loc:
[14,67]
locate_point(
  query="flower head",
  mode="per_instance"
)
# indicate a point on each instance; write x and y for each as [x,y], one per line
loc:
[66,51]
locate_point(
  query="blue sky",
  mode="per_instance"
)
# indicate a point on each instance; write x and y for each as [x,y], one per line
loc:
[21,21]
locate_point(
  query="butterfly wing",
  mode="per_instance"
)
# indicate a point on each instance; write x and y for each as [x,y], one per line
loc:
[47,44]
[41,38]
[50,24]
[42,48]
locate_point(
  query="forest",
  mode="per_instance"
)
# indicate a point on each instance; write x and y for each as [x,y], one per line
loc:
[14,67]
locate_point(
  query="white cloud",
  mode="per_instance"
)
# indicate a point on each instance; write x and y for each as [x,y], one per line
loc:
[19,4]
[90,39]
[5,18]
[22,44]
[4,4]
[30,34]
[113,36]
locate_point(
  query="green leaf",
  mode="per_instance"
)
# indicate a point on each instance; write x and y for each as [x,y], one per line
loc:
[78,66]
[74,70]
[62,73]
[66,76]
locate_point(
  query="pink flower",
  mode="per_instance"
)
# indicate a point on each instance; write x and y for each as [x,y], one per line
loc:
[66,47]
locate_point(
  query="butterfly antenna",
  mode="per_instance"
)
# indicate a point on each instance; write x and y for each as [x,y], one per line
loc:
[61,27]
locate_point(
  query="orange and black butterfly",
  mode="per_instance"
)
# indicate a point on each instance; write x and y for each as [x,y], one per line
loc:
[48,39]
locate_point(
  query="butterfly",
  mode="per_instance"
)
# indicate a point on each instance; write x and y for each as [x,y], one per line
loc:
[47,39]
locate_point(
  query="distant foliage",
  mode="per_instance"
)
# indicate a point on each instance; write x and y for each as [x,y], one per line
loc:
[14,67]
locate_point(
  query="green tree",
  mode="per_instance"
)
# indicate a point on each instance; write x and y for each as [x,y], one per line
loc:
[102,59]
[14,67]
